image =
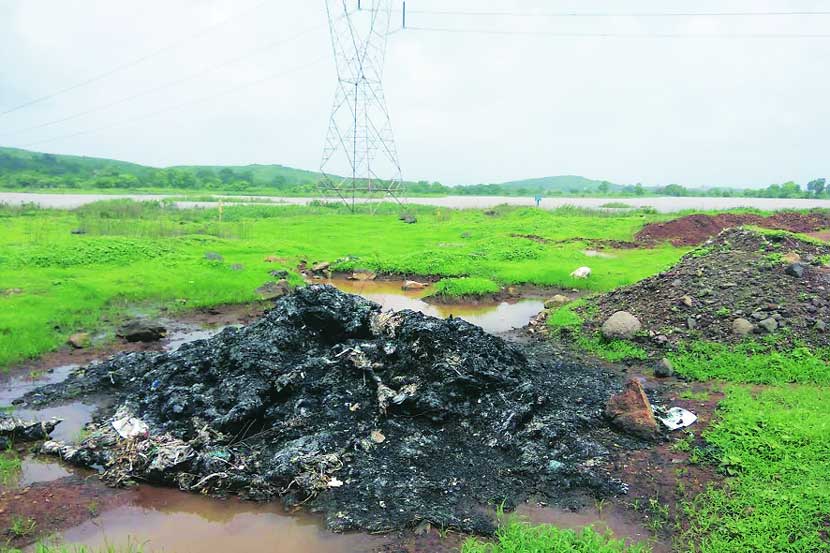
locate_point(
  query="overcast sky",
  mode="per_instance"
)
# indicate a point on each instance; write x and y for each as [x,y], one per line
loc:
[465,107]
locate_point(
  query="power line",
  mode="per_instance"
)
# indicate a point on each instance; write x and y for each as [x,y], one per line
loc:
[155,113]
[131,63]
[623,35]
[168,84]
[618,14]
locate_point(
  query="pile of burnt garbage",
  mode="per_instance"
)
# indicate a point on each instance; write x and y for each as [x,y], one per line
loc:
[379,420]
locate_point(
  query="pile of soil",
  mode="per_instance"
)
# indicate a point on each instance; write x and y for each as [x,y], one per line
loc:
[740,275]
[379,420]
[696,229]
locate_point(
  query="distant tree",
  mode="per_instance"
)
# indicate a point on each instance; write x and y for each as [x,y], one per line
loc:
[675,190]
[817,186]
[604,186]
[638,189]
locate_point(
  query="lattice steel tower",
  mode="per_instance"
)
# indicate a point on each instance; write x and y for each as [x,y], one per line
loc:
[359,156]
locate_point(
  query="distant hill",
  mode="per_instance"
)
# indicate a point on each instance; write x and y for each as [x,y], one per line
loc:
[562,183]
[26,169]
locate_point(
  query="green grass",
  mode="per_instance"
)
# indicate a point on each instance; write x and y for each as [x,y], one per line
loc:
[465,286]
[10,466]
[752,362]
[774,445]
[146,255]
[515,536]
[566,319]
[616,205]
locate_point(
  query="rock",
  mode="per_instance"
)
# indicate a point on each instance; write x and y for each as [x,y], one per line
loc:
[272,290]
[363,275]
[78,231]
[408,218]
[556,301]
[795,270]
[621,324]
[664,368]
[11,292]
[274,259]
[14,428]
[237,267]
[320,267]
[760,315]
[791,257]
[213,256]
[279,275]
[742,327]
[691,323]
[687,301]
[413,285]
[631,412]
[79,340]
[581,272]
[821,326]
[140,330]
[377,436]
[768,324]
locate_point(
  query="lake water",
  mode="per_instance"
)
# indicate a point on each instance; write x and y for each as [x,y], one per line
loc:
[667,205]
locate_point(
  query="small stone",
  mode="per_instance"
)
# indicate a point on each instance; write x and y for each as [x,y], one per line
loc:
[676,282]
[79,340]
[691,323]
[621,324]
[664,368]
[555,466]
[556,301]
[742,327]
[320,267]
[687,301]
[273,290]
[141,331]
[413,285]
[791,257]
[237,267]
[821,326]
[213,256]
[363,275]
[377,437]
[760,315]
[795,270]
[770,324]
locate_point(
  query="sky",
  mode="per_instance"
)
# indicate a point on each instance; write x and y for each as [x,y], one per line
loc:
[227,82]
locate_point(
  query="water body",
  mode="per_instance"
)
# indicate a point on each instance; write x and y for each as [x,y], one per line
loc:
[662,204]
[493,317]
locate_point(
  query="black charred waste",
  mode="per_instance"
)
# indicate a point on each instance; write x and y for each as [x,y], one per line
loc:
[379,420]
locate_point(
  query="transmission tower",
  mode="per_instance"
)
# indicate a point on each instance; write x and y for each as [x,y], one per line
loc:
[359,156]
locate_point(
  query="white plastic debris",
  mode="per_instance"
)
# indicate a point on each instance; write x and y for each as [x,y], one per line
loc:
[677,417]
[582,272]
[335,483]
[131,427]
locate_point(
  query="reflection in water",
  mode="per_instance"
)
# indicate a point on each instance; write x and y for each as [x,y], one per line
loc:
[40,469]
[20,385]
[176,522]
[492,317]
[74,415]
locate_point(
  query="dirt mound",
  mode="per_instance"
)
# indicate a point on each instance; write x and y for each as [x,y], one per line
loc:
[379,420]
[775,284]
[692,230]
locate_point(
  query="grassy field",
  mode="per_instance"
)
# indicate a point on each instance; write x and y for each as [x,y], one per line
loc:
[145,255]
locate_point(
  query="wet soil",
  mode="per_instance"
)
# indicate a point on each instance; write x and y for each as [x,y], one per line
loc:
[692,230]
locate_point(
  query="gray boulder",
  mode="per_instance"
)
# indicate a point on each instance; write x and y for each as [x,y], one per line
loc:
[769,324]
[621,324]
[742,327]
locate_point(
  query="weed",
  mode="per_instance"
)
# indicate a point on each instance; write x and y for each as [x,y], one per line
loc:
[691,395]
[20,527]
[515,536]
[10,466]
[466,286]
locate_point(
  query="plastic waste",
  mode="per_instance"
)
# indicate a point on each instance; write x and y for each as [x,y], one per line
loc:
[131,427]
[677,418]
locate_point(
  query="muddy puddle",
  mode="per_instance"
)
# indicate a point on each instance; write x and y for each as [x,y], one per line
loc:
[493,317]
[175,522]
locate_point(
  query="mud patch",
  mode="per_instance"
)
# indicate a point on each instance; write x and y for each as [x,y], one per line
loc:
[696,229]
[333,405]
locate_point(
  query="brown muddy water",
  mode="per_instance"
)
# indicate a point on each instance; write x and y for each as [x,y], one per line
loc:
[494,317]
[176,522]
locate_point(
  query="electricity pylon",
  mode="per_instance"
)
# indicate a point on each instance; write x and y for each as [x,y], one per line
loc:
[359,157]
